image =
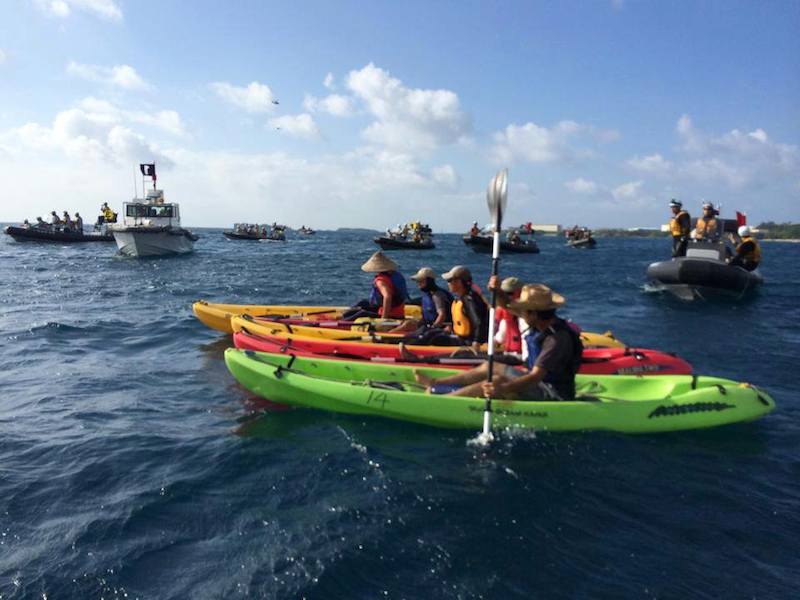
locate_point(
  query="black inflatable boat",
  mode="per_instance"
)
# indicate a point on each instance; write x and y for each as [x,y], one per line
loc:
[703,273]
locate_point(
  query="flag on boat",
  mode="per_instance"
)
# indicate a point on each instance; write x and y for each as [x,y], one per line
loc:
[148,169]
[741,218]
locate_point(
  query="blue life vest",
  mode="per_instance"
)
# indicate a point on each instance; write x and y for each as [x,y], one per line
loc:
[534,342]
[429,312]
[400,291]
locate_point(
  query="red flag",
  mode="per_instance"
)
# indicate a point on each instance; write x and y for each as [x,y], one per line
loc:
[741,218]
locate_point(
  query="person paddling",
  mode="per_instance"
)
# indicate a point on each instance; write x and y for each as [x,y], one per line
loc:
[554,356]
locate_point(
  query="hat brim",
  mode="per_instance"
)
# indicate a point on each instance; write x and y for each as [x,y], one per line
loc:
[519,308]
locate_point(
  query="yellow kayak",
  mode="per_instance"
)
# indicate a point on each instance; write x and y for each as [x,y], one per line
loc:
[218,316]
[271,328]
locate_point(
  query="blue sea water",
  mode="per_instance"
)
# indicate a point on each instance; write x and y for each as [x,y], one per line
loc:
[133,466]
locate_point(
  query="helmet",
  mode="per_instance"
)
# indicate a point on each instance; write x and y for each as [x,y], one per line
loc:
[744,231]
[676,203]
[708,205]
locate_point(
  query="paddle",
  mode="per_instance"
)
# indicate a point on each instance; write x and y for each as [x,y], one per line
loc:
[496,199]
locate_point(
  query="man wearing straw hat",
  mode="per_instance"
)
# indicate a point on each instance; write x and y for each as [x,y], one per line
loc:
[554,356]
[389,291]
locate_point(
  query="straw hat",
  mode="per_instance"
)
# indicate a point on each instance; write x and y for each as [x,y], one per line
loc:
[424,273]
[458,272]
[536,296]
[379,263]
[511,284]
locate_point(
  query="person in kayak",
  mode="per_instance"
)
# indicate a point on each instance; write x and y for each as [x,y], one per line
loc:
[680,226]
[435,304]
[508,337]
[389,291]
[707,227]
[469,310]
[555,352]
[748,252]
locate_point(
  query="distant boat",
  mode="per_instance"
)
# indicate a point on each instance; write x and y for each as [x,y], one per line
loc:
[483,244]
[40,234]
[399,243]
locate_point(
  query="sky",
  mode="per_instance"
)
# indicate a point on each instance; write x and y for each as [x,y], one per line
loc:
[368,114]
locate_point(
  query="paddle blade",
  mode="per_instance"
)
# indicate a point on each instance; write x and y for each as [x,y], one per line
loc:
[497,196]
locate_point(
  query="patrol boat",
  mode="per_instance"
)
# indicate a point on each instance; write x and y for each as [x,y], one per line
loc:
[150,226]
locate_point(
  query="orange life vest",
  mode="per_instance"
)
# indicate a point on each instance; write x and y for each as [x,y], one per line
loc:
[706,228]
[675,227]
[752,256]
[461,324]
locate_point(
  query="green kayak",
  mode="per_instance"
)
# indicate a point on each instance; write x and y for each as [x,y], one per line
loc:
[628,404]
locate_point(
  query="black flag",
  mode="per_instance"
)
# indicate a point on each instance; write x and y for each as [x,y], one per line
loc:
[148,169]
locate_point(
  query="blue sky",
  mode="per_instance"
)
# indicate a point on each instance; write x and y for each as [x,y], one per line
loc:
[389,112]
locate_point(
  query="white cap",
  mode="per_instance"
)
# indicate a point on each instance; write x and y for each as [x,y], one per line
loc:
[744,230]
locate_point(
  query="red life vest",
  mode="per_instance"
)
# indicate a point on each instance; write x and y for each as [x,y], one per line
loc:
[398,310]
[513,342]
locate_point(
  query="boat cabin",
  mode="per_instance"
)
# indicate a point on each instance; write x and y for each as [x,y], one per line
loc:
[151,211]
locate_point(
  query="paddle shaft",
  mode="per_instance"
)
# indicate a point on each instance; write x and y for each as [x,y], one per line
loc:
[487,412]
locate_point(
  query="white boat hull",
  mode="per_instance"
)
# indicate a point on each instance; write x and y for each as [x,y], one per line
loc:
[155,243]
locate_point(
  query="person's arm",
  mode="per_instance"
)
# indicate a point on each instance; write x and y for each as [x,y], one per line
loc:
[441,311]
[386,293]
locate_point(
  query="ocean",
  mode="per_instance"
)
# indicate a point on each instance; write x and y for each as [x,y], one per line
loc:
[133,466]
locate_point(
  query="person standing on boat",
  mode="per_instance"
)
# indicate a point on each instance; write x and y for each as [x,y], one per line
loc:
[67,221]
[707,226]
[680,226]
[475,230]
[78,222]
[748,252]
[554,356]
[54,220]
[469,310]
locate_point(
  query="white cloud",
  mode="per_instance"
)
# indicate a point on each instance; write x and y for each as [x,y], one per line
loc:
[123,76]
[253,98]
[536,144]
[737,159]
[329,81]
[92,131]
[627,191]
[582,186]
[334,104]
[407,119]
[106,9]
[301,125]
[445,175]
[654,163]
[165,120]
